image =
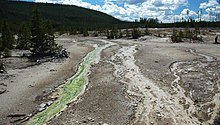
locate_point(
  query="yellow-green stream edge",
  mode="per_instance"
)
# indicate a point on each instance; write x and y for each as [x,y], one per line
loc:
[70,90]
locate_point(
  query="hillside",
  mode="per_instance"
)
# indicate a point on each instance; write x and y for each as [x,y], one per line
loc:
[65,15]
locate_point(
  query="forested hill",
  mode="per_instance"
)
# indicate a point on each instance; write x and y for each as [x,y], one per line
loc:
[16,12]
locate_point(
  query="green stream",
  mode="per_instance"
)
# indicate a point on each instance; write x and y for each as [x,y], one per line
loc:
[70,90]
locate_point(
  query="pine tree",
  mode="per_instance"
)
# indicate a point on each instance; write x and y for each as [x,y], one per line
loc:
[127,33]
[120,34]
[107,34]
[115,33]
[85,32]
[73,31]
[51,47]
[6,52]
[112,36]
[37,34]
[8,39]
[42,37]
[24,38]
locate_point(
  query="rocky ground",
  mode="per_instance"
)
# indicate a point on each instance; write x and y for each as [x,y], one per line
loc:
[149,81]
[27,85]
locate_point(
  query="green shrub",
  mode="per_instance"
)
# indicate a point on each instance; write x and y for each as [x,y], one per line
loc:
[188,34]
[113,34]
[136,34]
[127,33]
[120,34]
[164,35]
[147,31]
[85,32]
[6,52]
[176,38]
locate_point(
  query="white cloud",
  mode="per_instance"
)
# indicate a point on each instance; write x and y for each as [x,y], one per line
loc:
[188,12]
[212,8]
[185,15]
[210,3]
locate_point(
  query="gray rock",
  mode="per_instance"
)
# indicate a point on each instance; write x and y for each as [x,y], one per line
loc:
[52,70]
[2,90]
[49,103]
[152,123]
[91,119]
[42,105]
[3,84]
[41,109]
[148,87]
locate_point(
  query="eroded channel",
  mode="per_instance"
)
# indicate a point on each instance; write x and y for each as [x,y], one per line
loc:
[196,85]
[72,89]
[153,105]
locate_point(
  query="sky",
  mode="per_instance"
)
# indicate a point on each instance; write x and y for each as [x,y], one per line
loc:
[164,10]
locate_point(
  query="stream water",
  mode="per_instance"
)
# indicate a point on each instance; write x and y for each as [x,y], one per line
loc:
[72,89]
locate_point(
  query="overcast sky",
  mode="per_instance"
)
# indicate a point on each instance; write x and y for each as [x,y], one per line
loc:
[164,10]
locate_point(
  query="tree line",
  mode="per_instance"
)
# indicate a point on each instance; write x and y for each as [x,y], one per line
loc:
[38,37]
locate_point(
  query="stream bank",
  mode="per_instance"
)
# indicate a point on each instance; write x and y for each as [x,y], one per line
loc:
[72,89]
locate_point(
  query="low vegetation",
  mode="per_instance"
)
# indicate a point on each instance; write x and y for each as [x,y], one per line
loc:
[192,35]
[116,34]
[136,33]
